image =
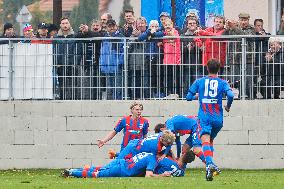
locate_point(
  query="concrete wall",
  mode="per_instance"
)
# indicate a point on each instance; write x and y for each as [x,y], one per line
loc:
[50,134]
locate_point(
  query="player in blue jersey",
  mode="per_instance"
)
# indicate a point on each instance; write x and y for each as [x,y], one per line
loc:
[180,125]
[141,164]
[134,127]
[173,166]
[210,91]
[152,144]
[166,166]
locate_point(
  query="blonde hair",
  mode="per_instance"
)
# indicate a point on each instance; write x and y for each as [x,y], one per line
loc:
[136,104]
[168,137]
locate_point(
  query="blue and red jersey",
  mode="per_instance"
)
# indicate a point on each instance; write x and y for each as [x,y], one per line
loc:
[132,128]
[210,94]
[168,164]
[182,124]
[151,144]
[135,166]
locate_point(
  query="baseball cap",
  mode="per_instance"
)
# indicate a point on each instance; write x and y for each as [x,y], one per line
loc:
[244,15]
[42,25]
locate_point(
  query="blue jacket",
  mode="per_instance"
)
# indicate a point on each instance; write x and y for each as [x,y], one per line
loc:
[151,45]
[111,55]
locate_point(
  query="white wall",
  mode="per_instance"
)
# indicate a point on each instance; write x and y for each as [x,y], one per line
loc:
[51,134]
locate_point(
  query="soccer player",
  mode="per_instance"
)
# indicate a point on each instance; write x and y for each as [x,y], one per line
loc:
[210,91]
[152,144]
[175,167]
[180,125]
[135,166]
[168,165]
[134,127]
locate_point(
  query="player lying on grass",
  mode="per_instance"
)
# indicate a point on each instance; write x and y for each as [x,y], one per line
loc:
[181,125]
[142,164]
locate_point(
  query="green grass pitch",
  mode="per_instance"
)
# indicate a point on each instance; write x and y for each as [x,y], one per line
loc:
[194,179]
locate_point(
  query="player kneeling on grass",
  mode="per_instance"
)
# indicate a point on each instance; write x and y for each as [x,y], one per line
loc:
[139,165]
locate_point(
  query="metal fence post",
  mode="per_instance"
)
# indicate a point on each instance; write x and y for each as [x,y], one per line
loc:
[11,69]
[243,68]
[125,56]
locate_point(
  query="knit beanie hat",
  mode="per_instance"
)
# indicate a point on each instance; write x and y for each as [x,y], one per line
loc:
[7,26]
[28,27]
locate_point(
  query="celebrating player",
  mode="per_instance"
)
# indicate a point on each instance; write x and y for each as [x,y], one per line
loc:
[180,125]
[210,91]
[134,126]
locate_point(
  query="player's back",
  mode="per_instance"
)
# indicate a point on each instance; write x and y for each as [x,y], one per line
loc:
[139,164]
[169,165]
[150,144]
[182,124]
[210,93]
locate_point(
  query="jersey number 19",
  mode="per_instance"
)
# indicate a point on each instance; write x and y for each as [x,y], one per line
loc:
[211,88]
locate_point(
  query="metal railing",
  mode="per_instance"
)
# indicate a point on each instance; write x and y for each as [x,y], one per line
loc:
[123,68]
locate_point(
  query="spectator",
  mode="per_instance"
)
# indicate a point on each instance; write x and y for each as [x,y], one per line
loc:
[104,18]
[235,58]
[152,52]
[8,32]
[42,30]
[130,25]
[66,60]
[172,58]
[191,48]
[42,33]
[138,68]
[189,16]
[272,71]
[112,61]
[281,26]
[214,48]
[28,32]
[261,43]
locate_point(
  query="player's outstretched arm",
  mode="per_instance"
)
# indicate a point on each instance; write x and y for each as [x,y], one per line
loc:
[151,174]
[101,142]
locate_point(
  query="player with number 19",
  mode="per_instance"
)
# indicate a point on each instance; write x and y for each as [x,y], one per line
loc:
[210,91]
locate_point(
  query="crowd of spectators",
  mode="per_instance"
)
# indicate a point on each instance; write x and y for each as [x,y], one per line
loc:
[161,59]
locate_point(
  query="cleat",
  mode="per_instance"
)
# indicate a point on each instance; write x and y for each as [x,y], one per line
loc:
[65,173]
[210,169]
[217,170]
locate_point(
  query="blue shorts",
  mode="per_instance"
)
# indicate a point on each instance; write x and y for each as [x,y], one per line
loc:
[193,140]
[210,127]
